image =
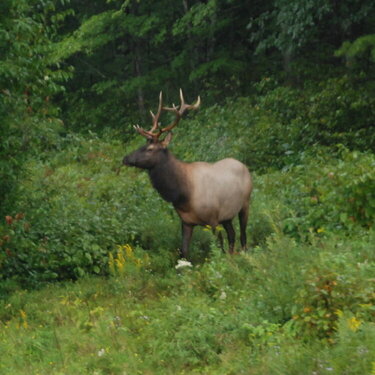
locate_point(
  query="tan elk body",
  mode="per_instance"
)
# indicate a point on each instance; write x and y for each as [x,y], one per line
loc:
[218,191]
[202,193]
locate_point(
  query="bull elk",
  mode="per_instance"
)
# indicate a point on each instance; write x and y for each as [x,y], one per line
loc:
[201,193]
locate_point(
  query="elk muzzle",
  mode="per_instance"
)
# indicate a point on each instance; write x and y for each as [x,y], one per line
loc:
[129,160]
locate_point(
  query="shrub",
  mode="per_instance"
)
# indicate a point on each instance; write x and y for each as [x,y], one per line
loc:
[76,211]
[284,122]
[329,194]
[334,283]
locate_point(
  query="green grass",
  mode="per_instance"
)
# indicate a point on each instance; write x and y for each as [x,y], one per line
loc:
[246,314]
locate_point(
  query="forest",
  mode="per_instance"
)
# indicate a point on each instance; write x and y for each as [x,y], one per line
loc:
[89,276]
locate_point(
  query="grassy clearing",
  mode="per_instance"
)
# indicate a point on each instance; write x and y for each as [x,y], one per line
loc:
[254,313]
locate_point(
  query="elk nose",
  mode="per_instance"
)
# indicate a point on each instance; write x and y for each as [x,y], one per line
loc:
[126,161]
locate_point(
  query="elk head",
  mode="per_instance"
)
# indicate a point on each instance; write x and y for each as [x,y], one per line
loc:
[155,150]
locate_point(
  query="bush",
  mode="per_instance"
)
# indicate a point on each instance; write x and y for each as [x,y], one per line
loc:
[73,209]
[334,283]
[329,194]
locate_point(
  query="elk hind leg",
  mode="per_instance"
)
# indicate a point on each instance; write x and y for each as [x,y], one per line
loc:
[243,215]
[219,237]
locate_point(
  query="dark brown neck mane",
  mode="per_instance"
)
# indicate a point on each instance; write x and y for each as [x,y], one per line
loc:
[169,180]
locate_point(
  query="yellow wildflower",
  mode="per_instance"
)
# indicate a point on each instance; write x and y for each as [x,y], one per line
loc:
[354,323]
[23,319]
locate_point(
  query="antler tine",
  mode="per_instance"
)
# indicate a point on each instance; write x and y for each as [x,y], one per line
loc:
[145,133]
[197,103]
[155,118]
[182,98]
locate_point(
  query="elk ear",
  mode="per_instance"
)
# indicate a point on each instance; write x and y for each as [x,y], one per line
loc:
[166,140]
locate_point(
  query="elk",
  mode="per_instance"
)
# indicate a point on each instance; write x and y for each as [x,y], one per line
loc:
[201,193]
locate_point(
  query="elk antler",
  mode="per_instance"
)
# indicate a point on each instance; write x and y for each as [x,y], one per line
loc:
[178,111]
[149,134]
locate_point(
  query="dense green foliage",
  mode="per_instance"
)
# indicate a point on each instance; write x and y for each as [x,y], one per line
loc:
[28,80]
[287,88]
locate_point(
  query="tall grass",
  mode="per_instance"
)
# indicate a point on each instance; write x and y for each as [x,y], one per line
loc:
[247,314]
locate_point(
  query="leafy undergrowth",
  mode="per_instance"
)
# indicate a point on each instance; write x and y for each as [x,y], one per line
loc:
[73,208]
[283,308]
[300,302]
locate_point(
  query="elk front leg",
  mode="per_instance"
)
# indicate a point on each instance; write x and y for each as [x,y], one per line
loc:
[228,226]
[187,231]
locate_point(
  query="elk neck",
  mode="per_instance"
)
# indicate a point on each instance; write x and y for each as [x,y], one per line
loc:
[169,178]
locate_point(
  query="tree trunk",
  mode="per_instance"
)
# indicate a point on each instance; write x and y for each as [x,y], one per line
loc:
[192,48]
[138,73]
